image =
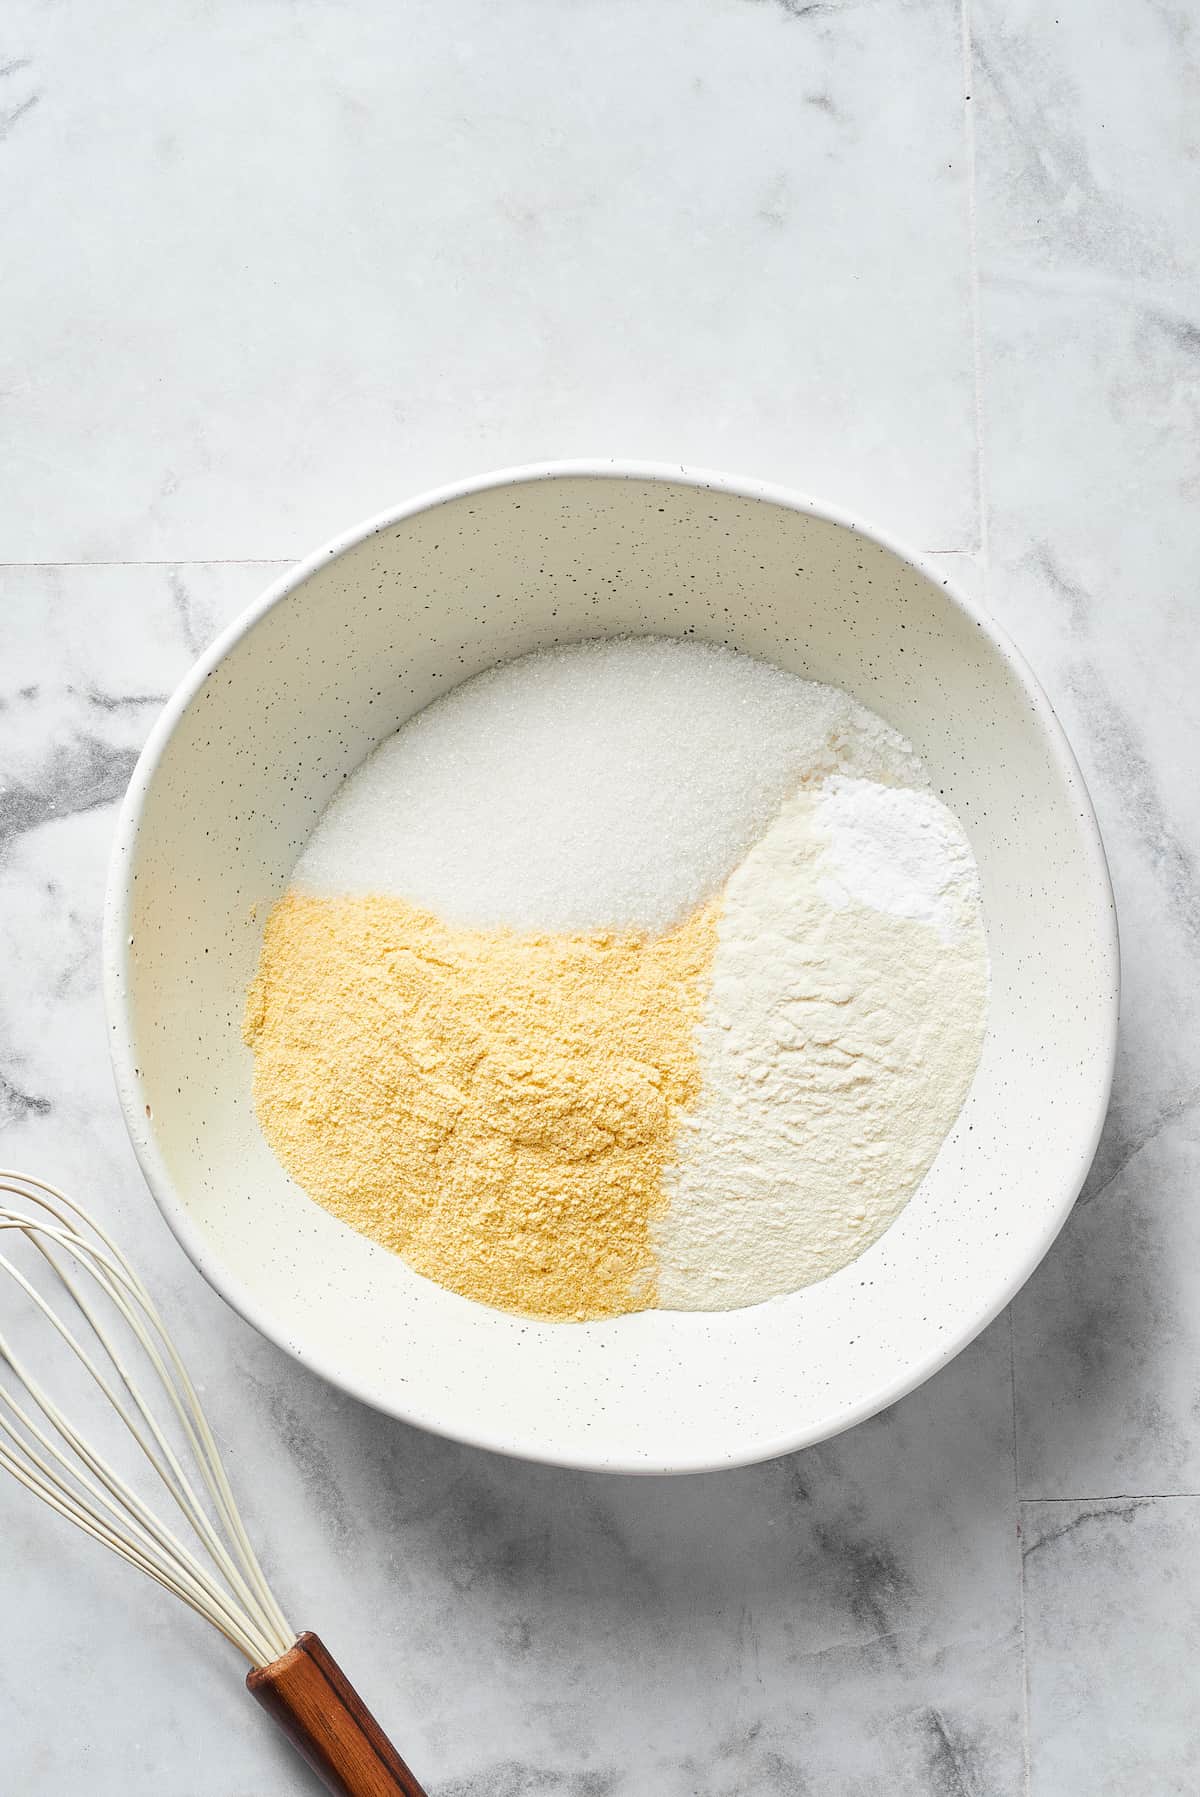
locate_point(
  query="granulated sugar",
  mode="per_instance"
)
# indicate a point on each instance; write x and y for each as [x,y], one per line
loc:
[609,785]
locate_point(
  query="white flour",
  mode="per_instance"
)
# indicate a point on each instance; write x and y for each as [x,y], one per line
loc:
[842,1031]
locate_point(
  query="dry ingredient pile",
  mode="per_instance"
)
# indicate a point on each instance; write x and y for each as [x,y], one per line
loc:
[630,974]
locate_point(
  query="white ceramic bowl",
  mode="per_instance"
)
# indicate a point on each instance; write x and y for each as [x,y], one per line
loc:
[344,649]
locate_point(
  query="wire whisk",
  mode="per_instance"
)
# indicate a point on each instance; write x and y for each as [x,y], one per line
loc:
[105,1323]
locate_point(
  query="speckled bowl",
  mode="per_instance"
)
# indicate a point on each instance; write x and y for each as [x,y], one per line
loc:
[345,648]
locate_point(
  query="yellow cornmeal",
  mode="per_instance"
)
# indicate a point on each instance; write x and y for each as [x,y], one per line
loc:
[497,1108]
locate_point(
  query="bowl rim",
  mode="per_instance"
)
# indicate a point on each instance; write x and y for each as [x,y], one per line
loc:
[119,1011]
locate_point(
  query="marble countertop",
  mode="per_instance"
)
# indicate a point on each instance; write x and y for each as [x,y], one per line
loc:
[273,267]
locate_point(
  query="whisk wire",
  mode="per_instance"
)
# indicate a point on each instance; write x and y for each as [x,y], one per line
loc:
[171,1472]
[174,1379]
[55,1492]
[153,1537]
[80,1484]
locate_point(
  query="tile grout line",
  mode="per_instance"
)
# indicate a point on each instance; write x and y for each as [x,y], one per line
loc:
[174,561]
[983,546]
[1026,1745]
[1120,1497]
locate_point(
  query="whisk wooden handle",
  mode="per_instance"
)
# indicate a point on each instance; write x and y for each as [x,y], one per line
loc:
[318,1709]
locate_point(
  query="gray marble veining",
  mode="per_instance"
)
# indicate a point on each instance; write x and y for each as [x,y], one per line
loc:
[1112,1619]
[1087,171]
[281,266]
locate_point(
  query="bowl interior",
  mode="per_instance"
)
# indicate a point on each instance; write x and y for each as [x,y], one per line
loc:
[291,701]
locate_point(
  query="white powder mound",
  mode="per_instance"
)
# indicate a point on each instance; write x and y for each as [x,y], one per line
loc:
[900,852]
[841,1034]
[608,785]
